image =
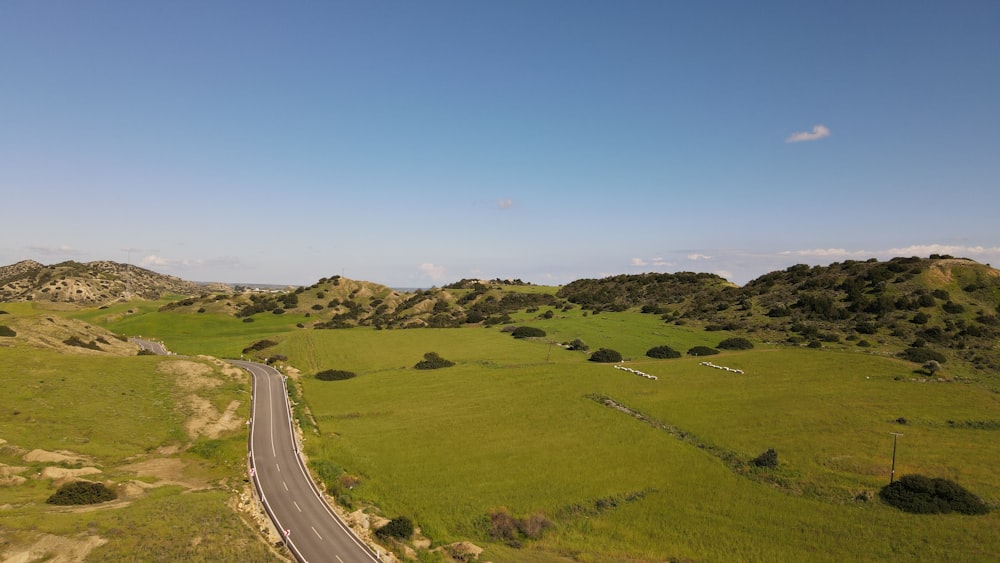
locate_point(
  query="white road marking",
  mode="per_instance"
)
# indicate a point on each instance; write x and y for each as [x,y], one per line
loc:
[317,533]
[296,505]
[339,559]
[285,484]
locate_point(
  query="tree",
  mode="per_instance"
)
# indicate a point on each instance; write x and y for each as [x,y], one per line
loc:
[577,344]
[924,495]
[735,343]
[433,361]
[767,459]
[400,528]
[606,356]
[702,351]
[527,332]
[932,367]
[335,375]
[662,352]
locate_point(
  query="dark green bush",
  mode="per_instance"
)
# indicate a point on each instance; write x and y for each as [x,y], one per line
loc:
[767,459]
[606,356]
[259,345]
[577,344]
[735,343]
[922,355]
[335,375]
[81,492]
[527,332]
[662,352]
[924,495]
[702,351]
[7,331]
[433,361]
[400,528]
[953,308]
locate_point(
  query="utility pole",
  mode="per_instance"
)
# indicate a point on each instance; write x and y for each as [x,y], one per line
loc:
[892,472]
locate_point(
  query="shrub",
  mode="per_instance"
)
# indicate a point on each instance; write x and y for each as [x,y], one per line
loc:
[952,307]
[577,344]
[433,361]
[527,332]
[81,492]
[606,356]
[504,526]
[7,331]
[735,343]
[259,345]
[767,459]
[922,355]
[924,495]
[400,528]
[702,351]
[335,375]
[662,352]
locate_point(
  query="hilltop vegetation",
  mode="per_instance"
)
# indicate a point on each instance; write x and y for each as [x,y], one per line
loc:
[88,283]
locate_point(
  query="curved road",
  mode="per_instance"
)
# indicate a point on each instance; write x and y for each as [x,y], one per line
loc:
[312,530]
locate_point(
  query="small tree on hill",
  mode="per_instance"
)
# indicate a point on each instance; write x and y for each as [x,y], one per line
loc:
[82,492]
[702,351]
[335,375]
[400,528]
[662,352]
[433,361]
[606,355]
[924,495]
[767,459]
[577,344]
[527,332]
[735,343]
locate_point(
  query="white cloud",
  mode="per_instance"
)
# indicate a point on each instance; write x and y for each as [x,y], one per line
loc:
[432,271]
[658,262]
[153,260]
[505,203]
[818,132]
[639,262]
[696,257]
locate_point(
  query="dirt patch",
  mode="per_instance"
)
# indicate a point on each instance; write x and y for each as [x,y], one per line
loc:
[61,475]
[190,376]
[9,475]
[166,471]
[208,422]
[54,549]
[58,456]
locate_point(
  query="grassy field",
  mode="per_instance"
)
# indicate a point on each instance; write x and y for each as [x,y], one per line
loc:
[513,425]
[123,421]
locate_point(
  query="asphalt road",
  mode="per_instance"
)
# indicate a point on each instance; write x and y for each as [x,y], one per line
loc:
[313,532]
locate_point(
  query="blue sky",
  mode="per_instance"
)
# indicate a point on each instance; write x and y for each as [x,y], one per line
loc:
[418,143]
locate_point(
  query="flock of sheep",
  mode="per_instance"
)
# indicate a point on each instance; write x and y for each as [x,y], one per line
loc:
[732,370]
[635,371]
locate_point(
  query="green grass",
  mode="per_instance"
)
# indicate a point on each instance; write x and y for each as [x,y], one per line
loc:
[513,425]
[507,428]
[116,411]
[213,334]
